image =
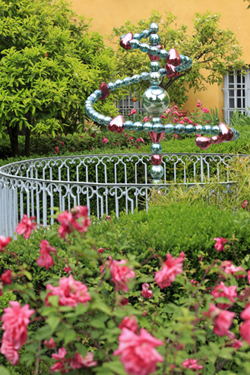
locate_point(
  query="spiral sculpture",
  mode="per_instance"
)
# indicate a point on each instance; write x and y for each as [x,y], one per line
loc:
[155,100]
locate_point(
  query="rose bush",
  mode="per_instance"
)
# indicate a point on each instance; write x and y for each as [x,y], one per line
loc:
[101,317]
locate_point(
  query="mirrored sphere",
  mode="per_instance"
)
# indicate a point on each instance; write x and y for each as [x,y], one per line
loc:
[169,128]
[148,126]
[144,47]
[111,86]
[145,33]
[127,81]
[156,171]
[154,66]
[153,28]
[154,51]
[144,76]
[156,148]
[136,36]
[107,120]
[154,39]
[118,83]
[134,43]
[155,101]
[129,125]
[155,78]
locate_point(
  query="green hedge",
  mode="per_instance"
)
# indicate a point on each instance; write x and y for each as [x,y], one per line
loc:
[170,229]
[178,227]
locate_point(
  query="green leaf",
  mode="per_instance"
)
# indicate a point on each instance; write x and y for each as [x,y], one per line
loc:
[69,335]
[43,333]
[54,300]
[53,322]
[81,309]
[115,366]
[81,349]
[4,371]
[96,323]
[226,353]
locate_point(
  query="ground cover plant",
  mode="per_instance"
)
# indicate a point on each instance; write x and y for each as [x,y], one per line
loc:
[93,300]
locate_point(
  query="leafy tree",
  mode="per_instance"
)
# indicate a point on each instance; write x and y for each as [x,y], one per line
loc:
[213,50]
[49,63]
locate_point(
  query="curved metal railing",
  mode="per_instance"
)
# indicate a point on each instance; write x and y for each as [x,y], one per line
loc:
[104,183]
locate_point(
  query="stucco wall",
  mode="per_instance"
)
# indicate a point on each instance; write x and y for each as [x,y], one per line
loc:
[107,14]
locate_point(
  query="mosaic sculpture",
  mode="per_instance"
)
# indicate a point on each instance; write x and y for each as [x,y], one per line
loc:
[155,100]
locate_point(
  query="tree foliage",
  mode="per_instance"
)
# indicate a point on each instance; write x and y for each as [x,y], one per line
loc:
[214,51]
[49,63]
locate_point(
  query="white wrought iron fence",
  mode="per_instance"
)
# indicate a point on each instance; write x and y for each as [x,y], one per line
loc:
[104,183]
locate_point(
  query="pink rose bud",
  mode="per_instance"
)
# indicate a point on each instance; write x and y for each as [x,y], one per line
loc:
[101,250]
[6,277]
[220,242]
[245,204]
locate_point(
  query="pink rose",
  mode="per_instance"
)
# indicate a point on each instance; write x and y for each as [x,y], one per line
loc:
[6,277]
[61,365]
[222,320]
[9,351]
[198,103]
[192,364]
[195,283]
[70,292]
[145,119]
[146,293]
[133,111]
[220,242]
[205,110]
[130,323]
[79,361]
[237,344]
[181,122]
[245,331]
[50,344]
[26,226]
[4,242]
[229,268]
[171,268]
[245,314]
[57,149]
[104,140]
[124,301]
[175,135]
[15,320]
[45,260]
[120,274]
[138,354]
[62,143]
[222,290]
[101,250]
[68,221]
[67,269]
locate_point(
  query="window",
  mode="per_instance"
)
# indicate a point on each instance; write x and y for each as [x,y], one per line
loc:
[126,105]
[236,93]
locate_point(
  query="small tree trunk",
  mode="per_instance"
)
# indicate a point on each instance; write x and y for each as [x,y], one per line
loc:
[27,141]
[13,134]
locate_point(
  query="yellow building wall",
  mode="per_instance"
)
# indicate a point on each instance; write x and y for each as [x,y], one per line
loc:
[107,14]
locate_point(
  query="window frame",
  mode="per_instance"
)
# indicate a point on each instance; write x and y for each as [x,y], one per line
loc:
[238,83]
